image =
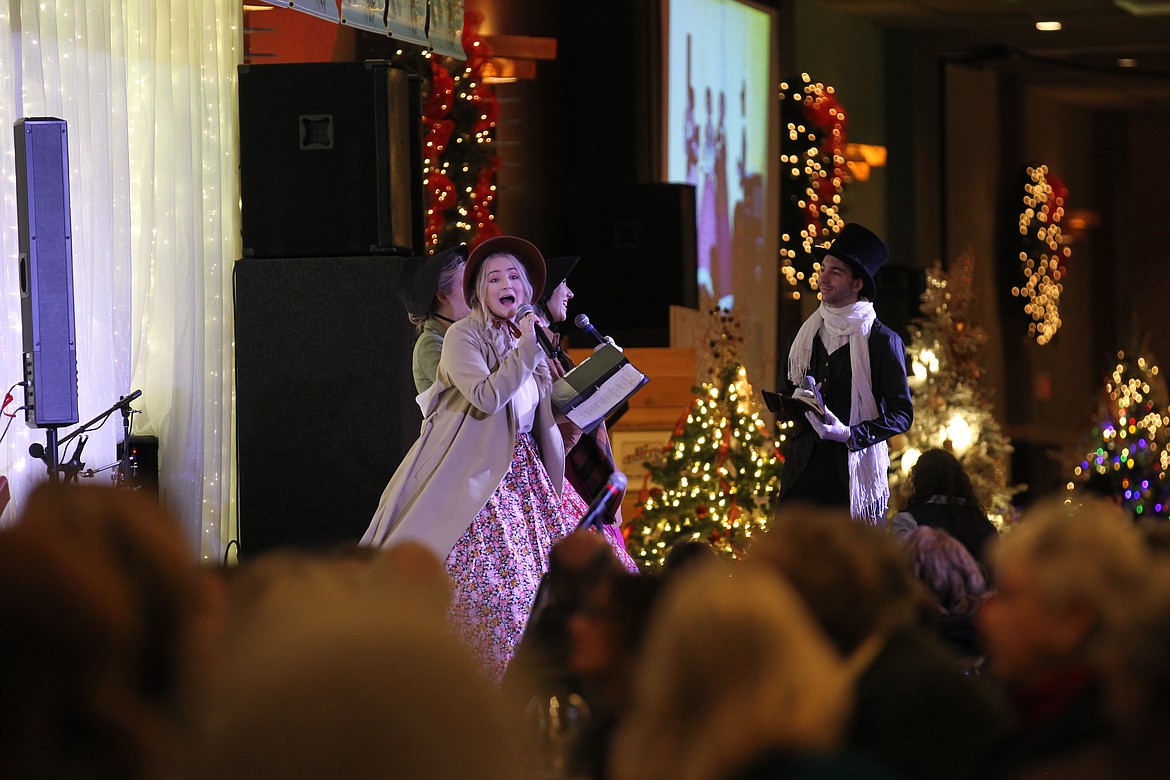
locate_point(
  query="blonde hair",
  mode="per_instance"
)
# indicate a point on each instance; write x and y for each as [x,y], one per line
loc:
[445,286]
[327,678]
[479,292]
[500,338]
[1085,552]
[852,576]
[779,683]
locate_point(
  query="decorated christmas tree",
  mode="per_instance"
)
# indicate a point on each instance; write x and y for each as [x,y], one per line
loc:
[1128,454]
[950,411]
[459,115]
[717,477]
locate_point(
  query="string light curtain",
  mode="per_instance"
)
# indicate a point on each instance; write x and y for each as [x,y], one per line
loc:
[147,89]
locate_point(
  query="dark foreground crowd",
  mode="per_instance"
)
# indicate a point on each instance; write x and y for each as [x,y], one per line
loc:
[831,650]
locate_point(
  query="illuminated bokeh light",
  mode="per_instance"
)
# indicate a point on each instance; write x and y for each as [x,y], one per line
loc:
[1044,256]
[813,159]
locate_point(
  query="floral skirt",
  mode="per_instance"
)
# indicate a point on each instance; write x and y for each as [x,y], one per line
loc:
[496,565]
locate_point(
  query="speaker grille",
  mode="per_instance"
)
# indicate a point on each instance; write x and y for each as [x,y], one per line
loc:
[46,272]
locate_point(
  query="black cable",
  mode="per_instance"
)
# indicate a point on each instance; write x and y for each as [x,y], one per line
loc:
[227,550]
[236,485]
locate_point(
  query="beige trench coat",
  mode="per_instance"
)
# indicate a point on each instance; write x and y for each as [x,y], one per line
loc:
[466,442]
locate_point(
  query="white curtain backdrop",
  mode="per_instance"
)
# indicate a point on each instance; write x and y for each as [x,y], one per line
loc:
[148,91]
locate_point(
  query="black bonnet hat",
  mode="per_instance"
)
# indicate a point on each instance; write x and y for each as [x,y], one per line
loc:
[862,250]
[417,282]
[559,269]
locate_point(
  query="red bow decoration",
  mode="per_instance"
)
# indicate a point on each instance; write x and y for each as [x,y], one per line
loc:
[502,323]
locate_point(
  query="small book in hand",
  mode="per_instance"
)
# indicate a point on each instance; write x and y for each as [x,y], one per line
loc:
[805,397]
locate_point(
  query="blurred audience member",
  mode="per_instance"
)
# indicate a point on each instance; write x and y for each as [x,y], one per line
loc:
[685,553]
[1156,534]
[104,642]
[956,583]
[941,496]
[735,677]
[1136,664]
[606,638]
[329,680]
[577,564]
[1062,574]
[914,710]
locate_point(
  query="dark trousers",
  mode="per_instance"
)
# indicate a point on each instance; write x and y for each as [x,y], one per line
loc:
[820,482]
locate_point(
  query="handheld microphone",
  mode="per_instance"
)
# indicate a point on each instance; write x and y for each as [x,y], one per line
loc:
[526,309]
[582,322]
[615,486]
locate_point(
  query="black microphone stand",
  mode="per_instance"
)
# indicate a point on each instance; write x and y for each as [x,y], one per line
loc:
[47,454]
[71,469]
[124,462]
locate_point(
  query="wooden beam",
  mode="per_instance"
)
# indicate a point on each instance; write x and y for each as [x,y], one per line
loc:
[521,47]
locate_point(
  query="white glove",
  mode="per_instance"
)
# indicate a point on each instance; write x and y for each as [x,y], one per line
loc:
[609,340]
[831,429]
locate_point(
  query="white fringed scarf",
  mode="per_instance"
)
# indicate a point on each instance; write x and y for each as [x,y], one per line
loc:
[869,482]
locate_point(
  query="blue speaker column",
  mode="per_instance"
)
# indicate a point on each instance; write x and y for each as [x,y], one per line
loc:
[46,273]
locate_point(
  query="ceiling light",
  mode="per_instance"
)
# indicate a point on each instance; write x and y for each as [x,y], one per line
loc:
[1127,62]
[1048,26]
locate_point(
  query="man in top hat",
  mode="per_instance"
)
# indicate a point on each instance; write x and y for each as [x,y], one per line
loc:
[860,367]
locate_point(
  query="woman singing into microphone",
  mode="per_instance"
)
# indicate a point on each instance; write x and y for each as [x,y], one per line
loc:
[589,457]
[482,485]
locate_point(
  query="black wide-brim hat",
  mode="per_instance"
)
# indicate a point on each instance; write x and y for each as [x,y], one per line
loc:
[417,281]
[528,255]
[559,269]
[862,250]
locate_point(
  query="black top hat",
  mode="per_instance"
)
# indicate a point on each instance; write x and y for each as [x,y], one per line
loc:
[417,281]
[862,250]
[528,255]
[559,269]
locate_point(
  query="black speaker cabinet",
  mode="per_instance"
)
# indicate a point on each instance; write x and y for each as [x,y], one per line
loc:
[325,404]
[46,272]
[899,296]
[638,250]
[330,159]
[138,464]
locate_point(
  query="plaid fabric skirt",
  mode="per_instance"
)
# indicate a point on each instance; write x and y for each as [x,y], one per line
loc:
[496,565]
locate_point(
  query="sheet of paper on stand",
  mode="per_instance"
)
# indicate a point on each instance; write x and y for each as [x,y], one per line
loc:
[597,386]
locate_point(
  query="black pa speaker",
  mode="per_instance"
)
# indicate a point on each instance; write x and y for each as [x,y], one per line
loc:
[325,405]
[46,272]
[899,297]
[138,464]
[330,159]
[638,249]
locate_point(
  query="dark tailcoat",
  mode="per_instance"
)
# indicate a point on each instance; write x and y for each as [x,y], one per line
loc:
[818,470]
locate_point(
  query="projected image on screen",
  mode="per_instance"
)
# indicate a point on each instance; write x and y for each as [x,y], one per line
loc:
[719,92]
